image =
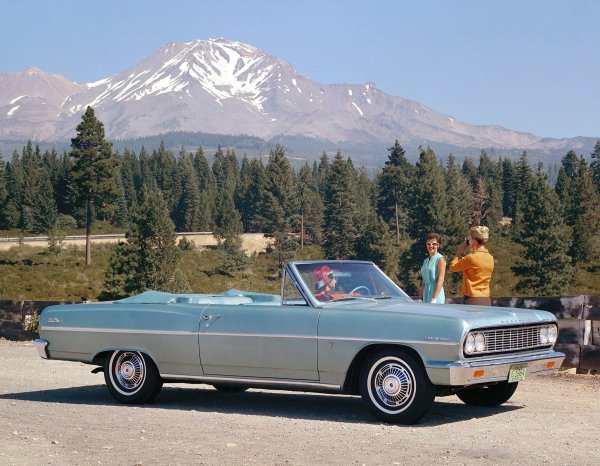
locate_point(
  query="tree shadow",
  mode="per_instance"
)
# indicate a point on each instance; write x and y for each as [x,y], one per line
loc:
[292,405]
[27,262]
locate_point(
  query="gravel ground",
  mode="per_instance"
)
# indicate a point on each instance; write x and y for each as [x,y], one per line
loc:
[56,412]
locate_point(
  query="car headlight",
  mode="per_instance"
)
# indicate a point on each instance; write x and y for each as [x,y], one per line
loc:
[479,342]
[470,344]
[552,334]
[544,335]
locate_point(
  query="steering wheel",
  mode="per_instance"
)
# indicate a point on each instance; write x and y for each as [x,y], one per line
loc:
[359,287]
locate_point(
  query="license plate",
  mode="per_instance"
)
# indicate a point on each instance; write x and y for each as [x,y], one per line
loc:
[517,373]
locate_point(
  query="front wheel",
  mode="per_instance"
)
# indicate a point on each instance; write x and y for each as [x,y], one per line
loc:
[492,395]
[395,387]
[131,377]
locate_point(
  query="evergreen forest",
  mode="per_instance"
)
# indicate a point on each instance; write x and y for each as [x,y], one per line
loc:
[543,235]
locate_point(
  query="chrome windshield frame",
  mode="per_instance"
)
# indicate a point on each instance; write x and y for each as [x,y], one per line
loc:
[292,270]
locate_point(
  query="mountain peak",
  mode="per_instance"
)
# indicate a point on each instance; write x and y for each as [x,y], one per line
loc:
[33,70]
[224,86]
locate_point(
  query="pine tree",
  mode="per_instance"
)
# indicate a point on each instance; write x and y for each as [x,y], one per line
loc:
[148,181]
[52,165]
[428,212]
[11,211]
[150,258]
[3,192]
[393,185]
[470,171]
[566,186]
[322,173]
[459,213]
[545,268]
[490,174]
[235,259]
[44,211]
[131,177]
[94,171]
[339,232]
[38,204]
[189,210]
[507,188]
[233,166]
[227,218]
[378,245]
[249,194]
[460,203]
[120,214]
[207,188]
[228,223]
[586,242]
[595,165]
[311,207]
[429,198]
[221,169]
[523,176]
[163,167]
[480,203]
[64,189]
[280,203]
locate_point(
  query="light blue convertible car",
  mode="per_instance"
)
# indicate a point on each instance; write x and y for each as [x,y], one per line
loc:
[337,326]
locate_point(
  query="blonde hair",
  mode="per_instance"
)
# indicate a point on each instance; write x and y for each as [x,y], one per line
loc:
[480,233]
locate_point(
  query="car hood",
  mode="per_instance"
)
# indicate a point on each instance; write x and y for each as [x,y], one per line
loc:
[474,316]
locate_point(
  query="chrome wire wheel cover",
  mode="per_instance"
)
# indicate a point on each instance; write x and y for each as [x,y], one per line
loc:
[392,385]
[129,370]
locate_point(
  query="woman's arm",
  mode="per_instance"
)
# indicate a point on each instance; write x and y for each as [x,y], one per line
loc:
[441,275]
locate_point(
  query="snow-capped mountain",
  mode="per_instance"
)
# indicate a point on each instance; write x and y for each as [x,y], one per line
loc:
[226,87]
[30,103]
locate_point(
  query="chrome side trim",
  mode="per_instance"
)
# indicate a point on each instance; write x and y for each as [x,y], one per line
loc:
[333,338]
[249,381]
[114,330]
[252,335]
[461,373]
[384,340]
[40,346]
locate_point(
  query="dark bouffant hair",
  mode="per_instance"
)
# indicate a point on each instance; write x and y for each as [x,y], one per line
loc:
[435,236]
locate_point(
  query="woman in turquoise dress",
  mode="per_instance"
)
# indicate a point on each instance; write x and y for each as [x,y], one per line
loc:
[433,271]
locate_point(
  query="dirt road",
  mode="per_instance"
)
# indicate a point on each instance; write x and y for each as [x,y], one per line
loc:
[251,242]
[55,412]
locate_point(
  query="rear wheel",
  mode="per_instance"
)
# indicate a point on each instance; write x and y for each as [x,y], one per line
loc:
[492,395]
[132,377]
[395,387]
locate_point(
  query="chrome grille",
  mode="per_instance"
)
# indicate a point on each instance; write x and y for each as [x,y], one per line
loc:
[503,340]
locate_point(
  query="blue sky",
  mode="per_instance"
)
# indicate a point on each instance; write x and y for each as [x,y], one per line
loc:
[523,64]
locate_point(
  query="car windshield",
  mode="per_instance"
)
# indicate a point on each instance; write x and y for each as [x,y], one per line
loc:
[335,281]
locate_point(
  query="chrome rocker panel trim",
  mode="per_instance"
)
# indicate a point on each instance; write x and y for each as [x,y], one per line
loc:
[208,379]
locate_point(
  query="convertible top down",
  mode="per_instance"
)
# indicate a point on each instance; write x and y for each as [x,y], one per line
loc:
[366,337]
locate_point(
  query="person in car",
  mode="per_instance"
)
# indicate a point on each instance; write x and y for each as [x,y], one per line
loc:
[325,282]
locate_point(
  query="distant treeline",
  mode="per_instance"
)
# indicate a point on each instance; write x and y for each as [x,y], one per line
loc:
[331,202]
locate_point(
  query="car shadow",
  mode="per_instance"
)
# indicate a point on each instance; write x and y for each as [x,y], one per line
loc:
[293,405]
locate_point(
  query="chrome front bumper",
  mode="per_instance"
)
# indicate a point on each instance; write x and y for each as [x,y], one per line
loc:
[40,346]
[479,372]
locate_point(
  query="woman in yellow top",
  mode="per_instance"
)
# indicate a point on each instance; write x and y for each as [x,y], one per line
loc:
[477,267]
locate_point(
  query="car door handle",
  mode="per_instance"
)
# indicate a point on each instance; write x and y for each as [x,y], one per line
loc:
[210,316]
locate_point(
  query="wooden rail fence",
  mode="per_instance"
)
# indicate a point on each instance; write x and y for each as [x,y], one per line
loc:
[578,320]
